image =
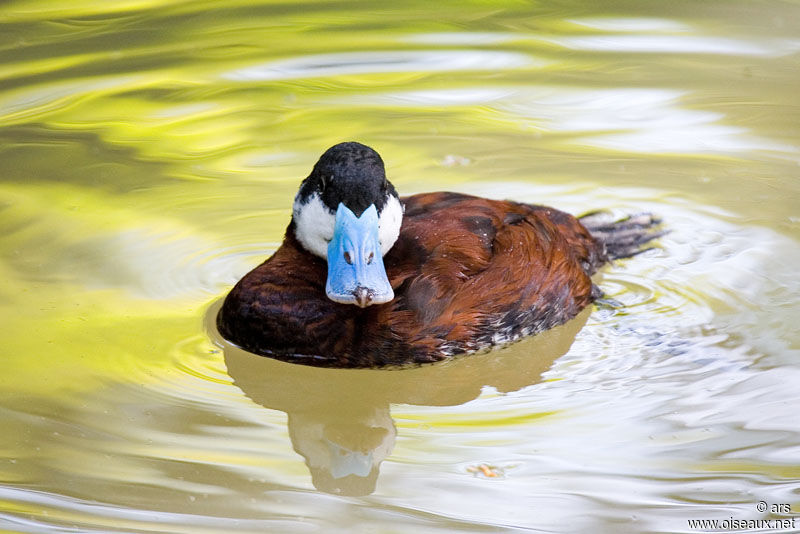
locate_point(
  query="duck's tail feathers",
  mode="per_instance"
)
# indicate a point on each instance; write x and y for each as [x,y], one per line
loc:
[626,237]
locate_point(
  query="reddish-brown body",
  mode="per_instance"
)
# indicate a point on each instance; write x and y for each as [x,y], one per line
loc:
[467,273]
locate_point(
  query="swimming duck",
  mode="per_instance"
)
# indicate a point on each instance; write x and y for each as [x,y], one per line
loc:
[365,278]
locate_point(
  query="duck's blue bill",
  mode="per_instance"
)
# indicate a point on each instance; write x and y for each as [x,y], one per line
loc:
[355,265]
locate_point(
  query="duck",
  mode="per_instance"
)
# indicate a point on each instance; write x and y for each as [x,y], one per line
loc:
[365,278]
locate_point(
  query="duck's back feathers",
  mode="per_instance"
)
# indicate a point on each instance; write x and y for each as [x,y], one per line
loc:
[473,272]
[467,273]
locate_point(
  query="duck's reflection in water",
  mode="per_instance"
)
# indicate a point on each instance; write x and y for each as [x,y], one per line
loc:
[344,451]
[340,420]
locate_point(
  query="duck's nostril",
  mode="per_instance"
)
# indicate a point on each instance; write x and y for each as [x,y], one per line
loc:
[363,296]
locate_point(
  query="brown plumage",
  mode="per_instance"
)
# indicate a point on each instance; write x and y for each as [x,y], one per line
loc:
[467,273]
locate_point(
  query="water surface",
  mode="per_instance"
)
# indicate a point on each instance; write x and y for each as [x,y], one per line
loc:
[149,155]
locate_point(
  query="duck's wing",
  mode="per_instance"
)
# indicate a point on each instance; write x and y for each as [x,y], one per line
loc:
[471,272]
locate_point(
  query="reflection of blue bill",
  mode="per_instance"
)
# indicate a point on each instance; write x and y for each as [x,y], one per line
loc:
[345,462]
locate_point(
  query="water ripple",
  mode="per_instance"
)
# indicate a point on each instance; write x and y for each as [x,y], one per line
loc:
[680,44]
[625,119]
[378,62]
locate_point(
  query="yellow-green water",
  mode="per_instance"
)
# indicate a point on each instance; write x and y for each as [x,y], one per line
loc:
[149,155]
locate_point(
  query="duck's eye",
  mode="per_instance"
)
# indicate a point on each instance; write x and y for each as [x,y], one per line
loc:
[369,258]
[348,259]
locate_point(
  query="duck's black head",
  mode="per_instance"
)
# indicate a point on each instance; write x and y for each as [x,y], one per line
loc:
[350,173]
[348,213]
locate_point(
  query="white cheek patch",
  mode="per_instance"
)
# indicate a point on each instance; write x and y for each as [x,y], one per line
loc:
[389,223]
[314,224]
